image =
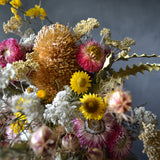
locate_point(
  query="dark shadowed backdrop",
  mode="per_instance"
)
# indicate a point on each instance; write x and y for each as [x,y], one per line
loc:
[138,19]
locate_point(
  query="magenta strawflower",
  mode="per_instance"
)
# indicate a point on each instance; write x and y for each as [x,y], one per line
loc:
[119,143]
[91,56]
[93,133]
[10,51]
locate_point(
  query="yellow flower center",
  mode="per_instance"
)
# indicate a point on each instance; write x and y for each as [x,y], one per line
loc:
[91,105]
[81,82]
[94,52]
[29,90]
[94,124]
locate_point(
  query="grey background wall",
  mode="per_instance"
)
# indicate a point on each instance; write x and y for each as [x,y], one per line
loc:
[138,19]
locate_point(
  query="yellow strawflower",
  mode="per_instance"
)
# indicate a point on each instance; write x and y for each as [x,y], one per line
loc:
[80,82]
[3,2]
[41,94]
[93,107]
[35,12]
[16,3]
[18,125]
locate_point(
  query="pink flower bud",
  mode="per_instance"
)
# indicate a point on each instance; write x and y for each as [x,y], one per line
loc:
[70,142]
[95,154]
[43,140]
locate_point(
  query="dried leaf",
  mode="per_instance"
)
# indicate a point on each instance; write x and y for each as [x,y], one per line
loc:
[134,55]
[134,70]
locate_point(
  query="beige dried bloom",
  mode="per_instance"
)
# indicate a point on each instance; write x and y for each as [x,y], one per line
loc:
[105,32]
[151,141]
[84,27]
[127,42]
[22,68]
[123,46]
[13,25]
[123,53]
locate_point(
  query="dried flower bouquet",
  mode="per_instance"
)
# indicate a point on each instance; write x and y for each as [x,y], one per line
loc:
[60,96]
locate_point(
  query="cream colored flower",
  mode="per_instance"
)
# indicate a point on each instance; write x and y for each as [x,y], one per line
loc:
[84,27]
[151,141]
[13,25]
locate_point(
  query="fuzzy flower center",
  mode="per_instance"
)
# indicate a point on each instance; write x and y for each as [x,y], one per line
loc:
[91,105]
[94,126]
[6,53]
[29,90]
[121,142]
[81,82]
[94,52]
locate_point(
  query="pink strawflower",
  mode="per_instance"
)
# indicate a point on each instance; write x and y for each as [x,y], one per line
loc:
[91,56]
[93,133]
[5,115]
[119,102]
[10,51]
[6,134]
[10,135]
[119,143]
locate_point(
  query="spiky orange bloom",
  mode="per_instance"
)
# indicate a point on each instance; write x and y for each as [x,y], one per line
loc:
[55,51]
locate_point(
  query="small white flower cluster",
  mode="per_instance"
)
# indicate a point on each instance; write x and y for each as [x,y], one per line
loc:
[62,111]
[28,42]
[29,104]
[6,74]
[147,117]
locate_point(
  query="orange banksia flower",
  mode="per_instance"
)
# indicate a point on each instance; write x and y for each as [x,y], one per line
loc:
[55,51]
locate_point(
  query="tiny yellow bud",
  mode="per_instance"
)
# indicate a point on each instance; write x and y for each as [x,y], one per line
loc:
[3,2]
[16,3]
[41,93]
[13,10]
[17,17]
[37,6]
